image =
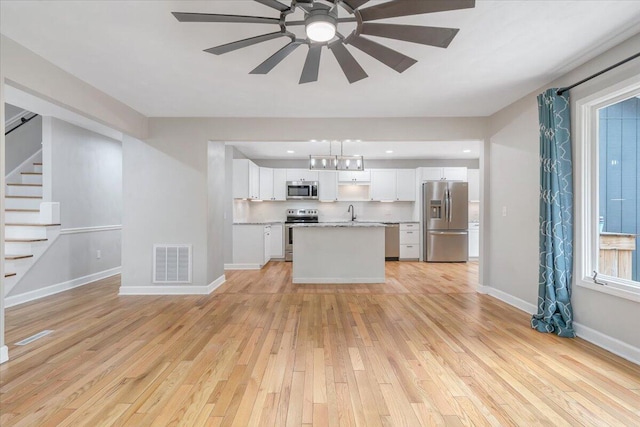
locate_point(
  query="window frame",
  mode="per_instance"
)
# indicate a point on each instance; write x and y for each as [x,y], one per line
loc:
[586,190]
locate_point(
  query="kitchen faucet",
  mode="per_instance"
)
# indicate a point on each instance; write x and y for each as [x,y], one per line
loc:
[353,212]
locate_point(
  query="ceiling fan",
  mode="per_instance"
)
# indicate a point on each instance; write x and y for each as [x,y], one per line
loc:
[321,21]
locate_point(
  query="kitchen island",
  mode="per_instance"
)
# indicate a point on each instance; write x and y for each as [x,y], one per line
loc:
[351,252]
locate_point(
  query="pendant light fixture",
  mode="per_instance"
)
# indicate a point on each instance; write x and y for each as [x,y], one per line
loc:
[341,162]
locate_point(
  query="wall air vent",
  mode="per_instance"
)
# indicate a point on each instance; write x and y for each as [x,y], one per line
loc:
[171,263]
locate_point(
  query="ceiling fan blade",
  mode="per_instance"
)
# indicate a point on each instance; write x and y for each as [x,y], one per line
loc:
[395,8]
[212,17]
[275,59]
[311,64]
[274,4]
[431,36]
[354,4]
[387,56]
[219,50]
[348,63]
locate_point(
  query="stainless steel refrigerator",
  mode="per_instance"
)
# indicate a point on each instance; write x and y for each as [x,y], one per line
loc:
[445,210]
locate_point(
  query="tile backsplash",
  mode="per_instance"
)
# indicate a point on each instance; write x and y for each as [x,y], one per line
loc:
[246,211]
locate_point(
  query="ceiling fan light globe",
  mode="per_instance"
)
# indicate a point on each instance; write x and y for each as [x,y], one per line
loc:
[320,31]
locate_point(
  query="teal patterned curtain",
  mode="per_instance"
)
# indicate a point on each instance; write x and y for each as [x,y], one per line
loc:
[556,216]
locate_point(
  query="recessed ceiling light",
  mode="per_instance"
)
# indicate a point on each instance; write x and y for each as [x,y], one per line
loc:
[389,151]
[290,151]
[466,151]
[313,140]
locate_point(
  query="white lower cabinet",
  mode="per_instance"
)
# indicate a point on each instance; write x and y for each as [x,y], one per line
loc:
[277,241]
[474,240]
[409,241]
[251,245]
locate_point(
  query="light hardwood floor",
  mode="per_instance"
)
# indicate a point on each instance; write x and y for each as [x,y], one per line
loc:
[422,349]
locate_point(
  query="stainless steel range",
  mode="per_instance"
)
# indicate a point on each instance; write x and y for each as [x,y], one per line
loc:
[296,216]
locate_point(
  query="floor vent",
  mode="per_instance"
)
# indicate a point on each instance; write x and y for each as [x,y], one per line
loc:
[32,338]
[172,264]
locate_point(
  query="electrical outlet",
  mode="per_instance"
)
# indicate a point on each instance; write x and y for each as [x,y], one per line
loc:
[504,211]
[98,254]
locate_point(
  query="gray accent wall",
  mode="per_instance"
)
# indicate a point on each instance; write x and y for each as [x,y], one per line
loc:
[85,170]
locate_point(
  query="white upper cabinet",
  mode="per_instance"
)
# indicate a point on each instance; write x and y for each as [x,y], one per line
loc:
[280,184]
[454,174]
[354,176]
[266,184]
[383,184]
[449,174]
[328,186]
[246,179]
[273,184]
[393,184]
[473,176]
[406,185]
[301,175]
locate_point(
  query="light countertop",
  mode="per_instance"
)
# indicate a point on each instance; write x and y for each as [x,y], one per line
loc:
[340,224]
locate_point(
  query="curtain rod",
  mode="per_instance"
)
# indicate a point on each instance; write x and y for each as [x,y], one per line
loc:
[624,61]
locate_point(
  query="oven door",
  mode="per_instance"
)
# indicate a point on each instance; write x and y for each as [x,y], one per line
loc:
[288,243]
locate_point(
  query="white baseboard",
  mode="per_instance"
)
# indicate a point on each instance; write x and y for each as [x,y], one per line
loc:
[59,287]
[508,298]
[173,289]
[4,354]
[613,345]
[338,280]
[242,266]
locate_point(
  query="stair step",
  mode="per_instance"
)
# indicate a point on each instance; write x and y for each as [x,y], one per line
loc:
[31,173]
[32,225]
[26,185]
[23,197]
[22,210]
[16,257]
[9,274]
[24,240]
[37,164]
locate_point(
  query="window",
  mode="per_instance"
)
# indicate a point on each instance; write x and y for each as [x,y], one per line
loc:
[607,188]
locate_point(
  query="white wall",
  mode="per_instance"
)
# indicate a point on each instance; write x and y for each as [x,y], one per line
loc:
[22,143]
[85,173]
[514,182]
[27,71]
[216,185]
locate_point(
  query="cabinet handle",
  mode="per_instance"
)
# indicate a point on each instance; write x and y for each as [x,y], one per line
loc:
[409,246]
[409,232]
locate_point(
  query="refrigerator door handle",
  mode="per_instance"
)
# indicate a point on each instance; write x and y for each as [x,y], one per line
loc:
[448,232]
[450,205]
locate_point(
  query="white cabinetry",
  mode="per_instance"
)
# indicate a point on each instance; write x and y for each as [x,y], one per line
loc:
[474,240]
[246,179]
[383,184]
[266,184]
[273,183]
[354,176]
[473,176]
[328,186]
[406,185]
[251,246]
[409,241]
[393,184]
[450,174]
[277,241]
[301,175]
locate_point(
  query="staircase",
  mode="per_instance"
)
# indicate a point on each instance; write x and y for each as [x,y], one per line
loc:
[28,226]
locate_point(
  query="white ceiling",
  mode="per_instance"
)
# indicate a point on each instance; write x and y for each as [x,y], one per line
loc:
[137,52]
[406,150]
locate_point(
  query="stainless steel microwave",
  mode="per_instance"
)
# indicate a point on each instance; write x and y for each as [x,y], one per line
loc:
[302,190]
